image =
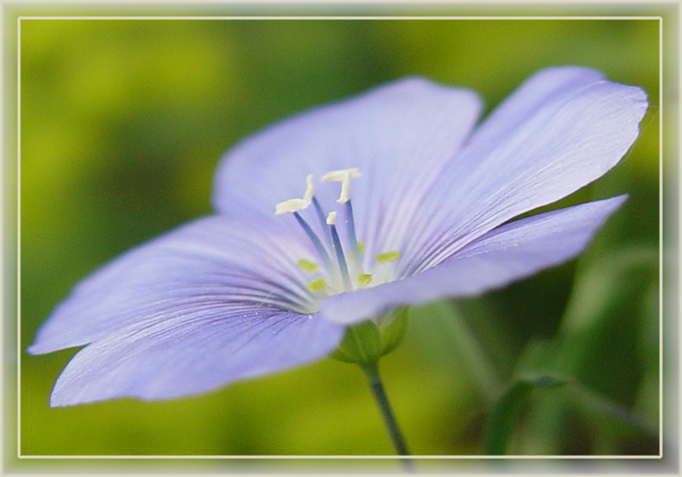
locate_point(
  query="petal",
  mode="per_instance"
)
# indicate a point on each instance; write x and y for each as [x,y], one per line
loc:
[562,129]
[399,135]
[211,261]
[508,253]
[194,351]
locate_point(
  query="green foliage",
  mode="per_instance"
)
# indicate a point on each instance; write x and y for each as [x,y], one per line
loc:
[502,419]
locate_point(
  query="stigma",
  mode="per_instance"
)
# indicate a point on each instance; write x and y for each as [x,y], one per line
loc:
[294,205]
[344,264]
[290,206]
[344,177]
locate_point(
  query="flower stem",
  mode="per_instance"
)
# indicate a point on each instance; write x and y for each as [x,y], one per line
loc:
[372,374]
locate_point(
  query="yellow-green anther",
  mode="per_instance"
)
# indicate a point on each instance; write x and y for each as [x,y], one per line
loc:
[317,285]
[307,265]
[364,279]
[386,257]
[361,247]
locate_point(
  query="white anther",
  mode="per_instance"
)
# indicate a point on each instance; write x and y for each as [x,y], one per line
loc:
[310,188]
[331,218]
[291,205]
[344,177]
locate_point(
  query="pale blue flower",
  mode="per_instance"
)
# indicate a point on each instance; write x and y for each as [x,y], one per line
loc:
[248,292]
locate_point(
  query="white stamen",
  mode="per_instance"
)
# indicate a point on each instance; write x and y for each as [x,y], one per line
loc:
[331,218]
[291,205]
[310,188]
[344,177]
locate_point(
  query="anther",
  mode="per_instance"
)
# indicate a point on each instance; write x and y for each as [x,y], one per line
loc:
[317,285]
[387,257]
[307,265]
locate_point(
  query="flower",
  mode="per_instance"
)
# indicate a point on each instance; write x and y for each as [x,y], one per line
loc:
[405,200]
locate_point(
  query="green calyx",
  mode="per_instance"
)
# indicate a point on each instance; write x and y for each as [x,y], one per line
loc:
[366,342]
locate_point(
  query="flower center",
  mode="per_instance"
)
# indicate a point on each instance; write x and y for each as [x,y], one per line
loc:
[343,268]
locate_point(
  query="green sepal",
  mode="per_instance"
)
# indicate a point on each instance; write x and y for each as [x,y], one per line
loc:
[392,328]
[361,344]
[366,342]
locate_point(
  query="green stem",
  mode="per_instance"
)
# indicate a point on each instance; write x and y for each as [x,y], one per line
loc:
[372,374]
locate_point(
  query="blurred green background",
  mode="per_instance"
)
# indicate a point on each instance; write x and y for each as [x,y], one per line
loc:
[122,125]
